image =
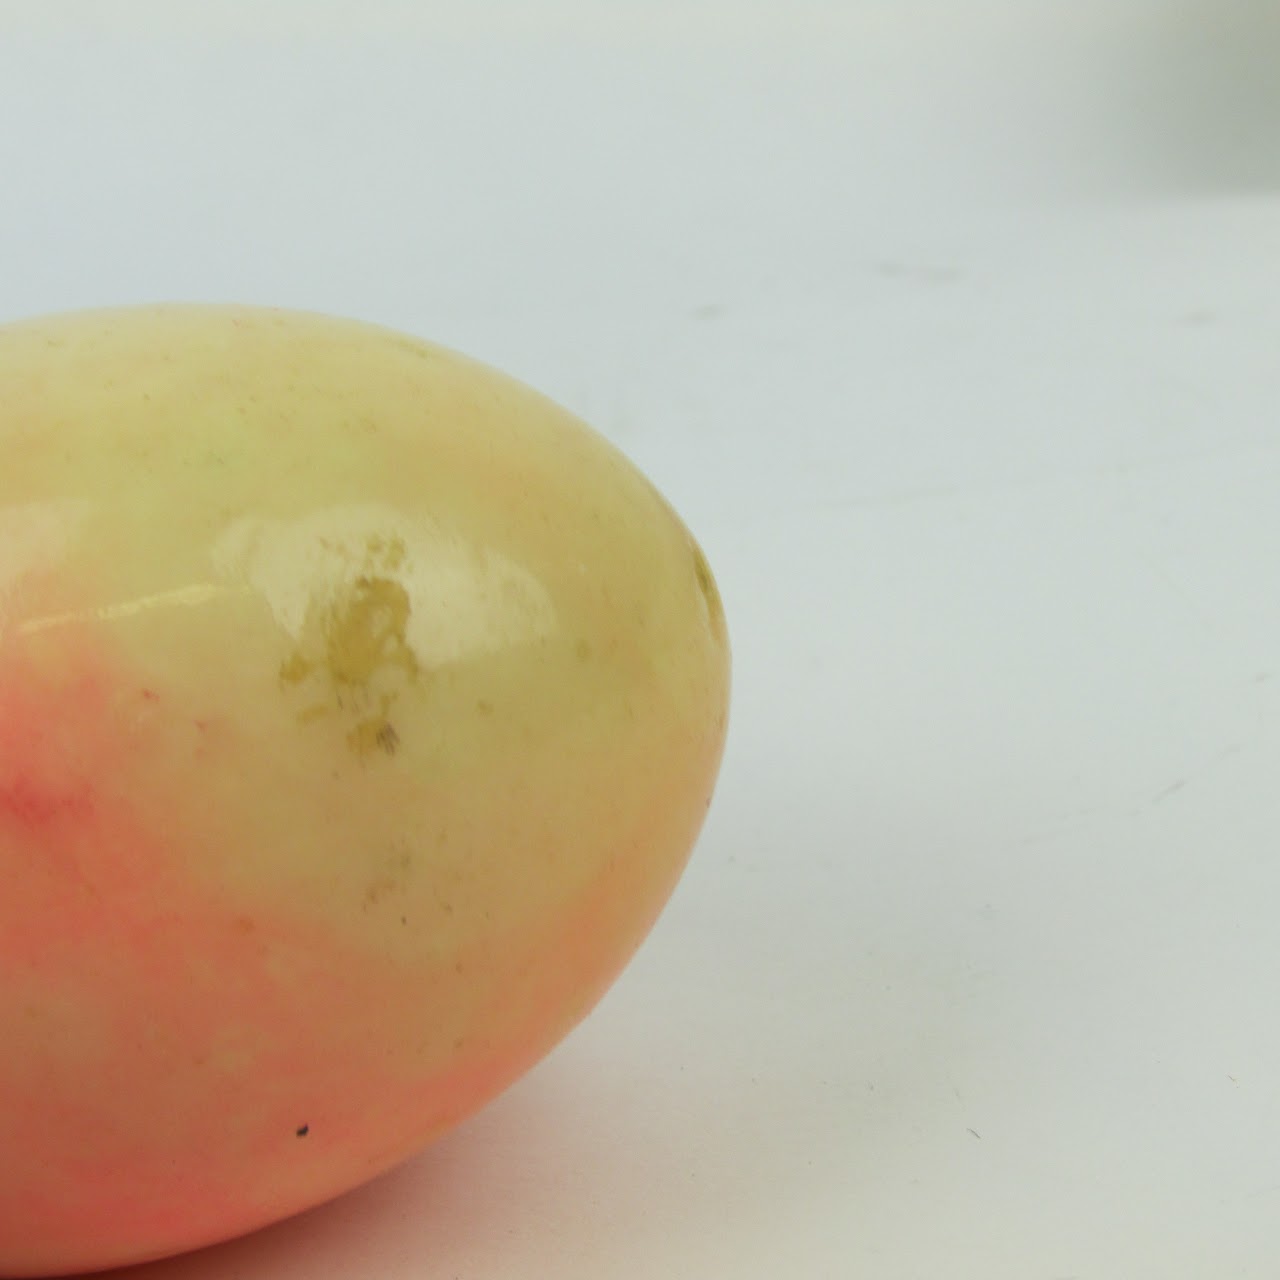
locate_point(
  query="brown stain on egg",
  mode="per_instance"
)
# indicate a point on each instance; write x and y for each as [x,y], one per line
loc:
[392,879]
[354,657]
[707,586]
[365,633]
[375,733]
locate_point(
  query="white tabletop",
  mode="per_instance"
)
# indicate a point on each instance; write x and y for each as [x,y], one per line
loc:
[952,330]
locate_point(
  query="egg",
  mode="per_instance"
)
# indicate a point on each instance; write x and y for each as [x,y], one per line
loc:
[359,709]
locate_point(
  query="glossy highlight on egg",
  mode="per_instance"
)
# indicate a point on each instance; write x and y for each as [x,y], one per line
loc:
[359,709]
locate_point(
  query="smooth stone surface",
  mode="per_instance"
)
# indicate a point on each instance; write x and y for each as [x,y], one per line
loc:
[358,711]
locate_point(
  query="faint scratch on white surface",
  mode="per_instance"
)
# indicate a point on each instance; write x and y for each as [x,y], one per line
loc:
[1198,318]
[1011,485]
[903,498]
[1211,765]
[1080,821]
[1258,1195]
[935,274]
[1172,789]
[1067,476]
[1180,593]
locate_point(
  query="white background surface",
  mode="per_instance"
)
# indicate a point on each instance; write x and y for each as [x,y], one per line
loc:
[952,330]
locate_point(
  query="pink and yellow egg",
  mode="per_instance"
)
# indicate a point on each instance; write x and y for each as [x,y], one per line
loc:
[359,709]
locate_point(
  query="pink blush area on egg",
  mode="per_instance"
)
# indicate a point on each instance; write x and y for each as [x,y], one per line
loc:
[178,1067]
[174,1069]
